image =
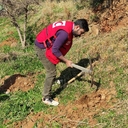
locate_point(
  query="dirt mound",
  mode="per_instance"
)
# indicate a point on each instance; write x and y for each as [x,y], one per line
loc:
[74,114]
[86,108]
[16,82]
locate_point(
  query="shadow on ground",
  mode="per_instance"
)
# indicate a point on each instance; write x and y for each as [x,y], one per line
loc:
[69,73]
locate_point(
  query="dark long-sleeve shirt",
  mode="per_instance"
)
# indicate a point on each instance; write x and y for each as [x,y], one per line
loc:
[61,38]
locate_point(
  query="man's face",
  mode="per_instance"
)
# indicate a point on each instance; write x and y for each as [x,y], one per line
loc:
[77,31]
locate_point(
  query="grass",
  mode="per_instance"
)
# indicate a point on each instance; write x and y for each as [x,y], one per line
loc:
[24,61]
[111,69]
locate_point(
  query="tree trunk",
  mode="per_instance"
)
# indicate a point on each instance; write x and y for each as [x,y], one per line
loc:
[22,37]
[25,24]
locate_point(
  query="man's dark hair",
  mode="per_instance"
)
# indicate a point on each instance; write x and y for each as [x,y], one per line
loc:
[83,24]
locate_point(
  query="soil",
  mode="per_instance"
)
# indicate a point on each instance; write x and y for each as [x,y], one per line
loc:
[114,18]
[87,106]
[16,82]
[74,114]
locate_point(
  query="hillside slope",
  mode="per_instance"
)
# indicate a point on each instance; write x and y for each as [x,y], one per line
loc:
[105,107]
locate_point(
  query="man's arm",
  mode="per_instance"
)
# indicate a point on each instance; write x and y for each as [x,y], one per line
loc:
[66,61]
[62,37]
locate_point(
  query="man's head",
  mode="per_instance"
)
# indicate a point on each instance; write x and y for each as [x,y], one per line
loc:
[80,27]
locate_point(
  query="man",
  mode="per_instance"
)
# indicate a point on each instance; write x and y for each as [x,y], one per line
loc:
[51,44]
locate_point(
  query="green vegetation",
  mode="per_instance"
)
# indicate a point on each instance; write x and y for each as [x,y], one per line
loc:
[111,69]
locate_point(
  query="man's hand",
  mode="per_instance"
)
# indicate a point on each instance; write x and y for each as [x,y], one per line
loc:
[69,63]
[66,61]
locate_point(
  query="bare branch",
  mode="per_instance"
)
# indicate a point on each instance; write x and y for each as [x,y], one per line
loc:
[14,9]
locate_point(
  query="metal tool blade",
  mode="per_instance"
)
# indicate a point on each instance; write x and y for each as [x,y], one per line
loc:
[92,74]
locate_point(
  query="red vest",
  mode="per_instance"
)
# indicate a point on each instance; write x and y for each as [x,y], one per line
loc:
[49,32]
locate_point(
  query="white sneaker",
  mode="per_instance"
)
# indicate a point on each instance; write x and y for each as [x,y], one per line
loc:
[50,102]
[57,82]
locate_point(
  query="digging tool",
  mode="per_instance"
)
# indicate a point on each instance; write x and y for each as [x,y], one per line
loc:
[92,74]
[78,75]
[84,70]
